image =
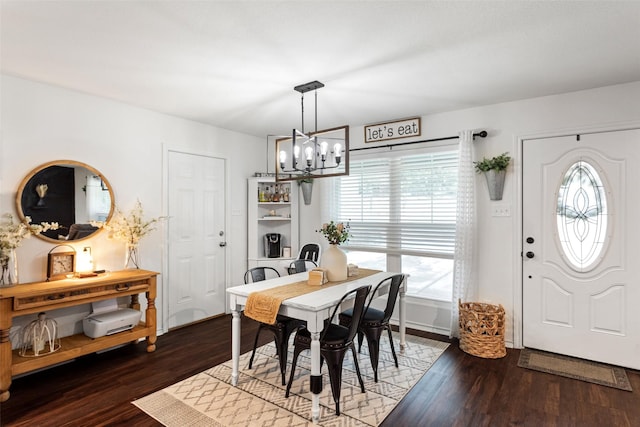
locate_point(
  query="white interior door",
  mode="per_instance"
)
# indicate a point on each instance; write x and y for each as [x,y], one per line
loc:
[197,237]
[581,263]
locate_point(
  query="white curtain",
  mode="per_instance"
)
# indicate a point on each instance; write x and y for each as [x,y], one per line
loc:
[464,283]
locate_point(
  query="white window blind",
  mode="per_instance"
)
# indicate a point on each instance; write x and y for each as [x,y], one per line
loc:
[403,205]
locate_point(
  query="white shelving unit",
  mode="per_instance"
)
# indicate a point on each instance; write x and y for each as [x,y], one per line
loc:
[271,217]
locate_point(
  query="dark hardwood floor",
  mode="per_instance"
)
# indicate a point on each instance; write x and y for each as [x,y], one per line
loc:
[459,390]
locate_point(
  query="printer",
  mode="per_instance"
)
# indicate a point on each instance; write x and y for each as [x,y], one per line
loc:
[108,319]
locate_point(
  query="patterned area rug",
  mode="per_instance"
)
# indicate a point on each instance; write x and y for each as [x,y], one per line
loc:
[208,399]
[579,369]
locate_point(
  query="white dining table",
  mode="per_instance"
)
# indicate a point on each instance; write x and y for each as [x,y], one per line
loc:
[314,307]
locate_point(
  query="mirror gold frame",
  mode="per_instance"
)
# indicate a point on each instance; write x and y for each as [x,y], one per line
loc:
[38,198]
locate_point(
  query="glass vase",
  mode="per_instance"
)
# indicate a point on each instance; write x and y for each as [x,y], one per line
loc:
[9,267]
[334,260]
[132,259]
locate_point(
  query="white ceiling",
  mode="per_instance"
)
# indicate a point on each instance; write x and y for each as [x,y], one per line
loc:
[234,64]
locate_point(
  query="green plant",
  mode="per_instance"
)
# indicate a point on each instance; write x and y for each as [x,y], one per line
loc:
[498,163]
[335,233]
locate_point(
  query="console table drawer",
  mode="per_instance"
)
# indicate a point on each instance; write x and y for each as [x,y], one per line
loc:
[77,295]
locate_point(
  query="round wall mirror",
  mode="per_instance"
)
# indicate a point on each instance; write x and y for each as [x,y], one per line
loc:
[67,192]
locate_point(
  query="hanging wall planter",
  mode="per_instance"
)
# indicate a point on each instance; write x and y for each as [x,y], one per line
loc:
[494,170]
[495,183]
[307,189]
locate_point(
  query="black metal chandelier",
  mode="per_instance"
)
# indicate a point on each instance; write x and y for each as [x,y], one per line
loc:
[315,154]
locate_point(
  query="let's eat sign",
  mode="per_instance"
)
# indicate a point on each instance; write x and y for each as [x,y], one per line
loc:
[392,130]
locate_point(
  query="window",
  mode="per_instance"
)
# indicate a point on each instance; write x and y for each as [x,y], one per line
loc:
[581,216]
[372,260]
[403,206]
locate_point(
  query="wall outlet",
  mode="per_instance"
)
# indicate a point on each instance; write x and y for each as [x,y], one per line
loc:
[501,210]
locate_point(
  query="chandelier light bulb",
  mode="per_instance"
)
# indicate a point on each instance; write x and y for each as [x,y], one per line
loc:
[323,150]
[283,158]
[296,152]
[309,155]
[337,152]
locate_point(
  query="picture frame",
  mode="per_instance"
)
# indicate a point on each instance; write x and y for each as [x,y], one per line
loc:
[60,265]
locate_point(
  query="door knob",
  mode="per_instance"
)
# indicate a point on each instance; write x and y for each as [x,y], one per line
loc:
[223,244]
[530,254]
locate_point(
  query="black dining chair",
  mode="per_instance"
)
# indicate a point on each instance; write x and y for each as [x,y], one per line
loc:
[300,266]
[311,252]
[258,274]
[281,330]
[335,340]
[375,321]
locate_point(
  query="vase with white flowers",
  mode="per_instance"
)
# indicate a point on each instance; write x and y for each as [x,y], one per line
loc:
[130,229]
[11,236]
[334,260]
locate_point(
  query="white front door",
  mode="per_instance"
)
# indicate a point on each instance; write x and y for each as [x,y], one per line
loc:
[580,253]
[197,237]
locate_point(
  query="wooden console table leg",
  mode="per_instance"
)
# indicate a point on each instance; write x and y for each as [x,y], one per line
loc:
[5,349]
[150,315]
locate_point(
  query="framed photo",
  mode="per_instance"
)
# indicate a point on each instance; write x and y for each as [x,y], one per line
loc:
[60,264]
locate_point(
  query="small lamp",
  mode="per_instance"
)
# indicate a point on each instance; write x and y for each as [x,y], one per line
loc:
[85,261]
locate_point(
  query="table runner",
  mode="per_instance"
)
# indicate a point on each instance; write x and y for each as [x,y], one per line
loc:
[263,306]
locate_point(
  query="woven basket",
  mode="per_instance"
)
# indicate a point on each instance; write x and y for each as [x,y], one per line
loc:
[482,329]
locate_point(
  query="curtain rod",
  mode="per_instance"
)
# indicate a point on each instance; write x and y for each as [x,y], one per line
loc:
[481,134]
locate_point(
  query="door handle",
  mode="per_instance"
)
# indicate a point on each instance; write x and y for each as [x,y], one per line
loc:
[223,244]
[530,254]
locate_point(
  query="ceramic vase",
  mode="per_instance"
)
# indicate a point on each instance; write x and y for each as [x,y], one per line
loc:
[334,260]
[9,268]
[131,258]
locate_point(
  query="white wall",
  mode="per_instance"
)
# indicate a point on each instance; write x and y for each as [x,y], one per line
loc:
[498,246]
[40,123]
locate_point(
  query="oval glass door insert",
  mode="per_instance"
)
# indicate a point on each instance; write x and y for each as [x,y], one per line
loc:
[582,216]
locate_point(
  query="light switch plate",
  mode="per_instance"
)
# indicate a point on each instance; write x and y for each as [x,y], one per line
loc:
[501,210]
